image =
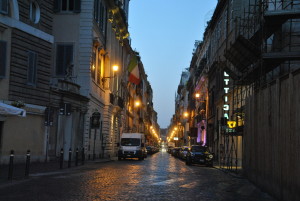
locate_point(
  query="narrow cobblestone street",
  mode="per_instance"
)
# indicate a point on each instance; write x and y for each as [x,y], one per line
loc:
[158,177]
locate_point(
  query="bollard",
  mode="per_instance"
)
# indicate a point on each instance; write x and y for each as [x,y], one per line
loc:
[11,165]
[27,163]
[70,156]
[82,156]
[76,157]
[61,159]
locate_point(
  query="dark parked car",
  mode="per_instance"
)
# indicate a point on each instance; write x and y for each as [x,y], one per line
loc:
[183,152]
[175,151]
[170,149]
[200,155]
[149,150]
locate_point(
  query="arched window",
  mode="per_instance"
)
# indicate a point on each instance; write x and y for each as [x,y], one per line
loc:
[34,12]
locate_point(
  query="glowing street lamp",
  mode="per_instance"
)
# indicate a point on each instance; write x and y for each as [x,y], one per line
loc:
[137,103]
[185,114]
[115,68]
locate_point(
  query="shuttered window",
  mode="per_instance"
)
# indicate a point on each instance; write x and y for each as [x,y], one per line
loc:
[4,6]
[94,67]
[99,70]
[67,5]
[2,58]
[64,58]
[100,14]
[32,68]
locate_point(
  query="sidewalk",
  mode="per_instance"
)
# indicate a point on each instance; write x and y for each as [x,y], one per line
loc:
[234,171]
[40,167]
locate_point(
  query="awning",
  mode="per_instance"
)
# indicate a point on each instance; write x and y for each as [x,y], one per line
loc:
[9,110]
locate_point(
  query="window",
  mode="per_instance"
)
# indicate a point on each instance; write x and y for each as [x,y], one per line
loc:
[2,58]
[34,13]
[130,141]
[93,70]
[31,73]
[99,70]
[100,14]
[64,58]
[4,6]
[67,6]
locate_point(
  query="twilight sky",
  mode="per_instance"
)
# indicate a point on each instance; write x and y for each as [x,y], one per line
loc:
[164,33]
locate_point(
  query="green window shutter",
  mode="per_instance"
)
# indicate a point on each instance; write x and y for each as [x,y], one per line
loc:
[4,6]
[32,64]
[56,6]
[77,6]
[2,58]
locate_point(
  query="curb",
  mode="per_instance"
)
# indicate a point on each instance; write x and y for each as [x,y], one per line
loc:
[231,172]
[44,169]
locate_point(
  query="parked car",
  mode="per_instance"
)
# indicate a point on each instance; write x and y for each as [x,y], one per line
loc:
[170,149]
[149,150]
[183,152]
[175,151]
[200,155]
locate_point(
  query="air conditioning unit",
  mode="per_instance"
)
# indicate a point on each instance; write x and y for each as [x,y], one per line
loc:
[4,7]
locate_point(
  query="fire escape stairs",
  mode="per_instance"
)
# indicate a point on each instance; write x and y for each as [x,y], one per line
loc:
[242,53]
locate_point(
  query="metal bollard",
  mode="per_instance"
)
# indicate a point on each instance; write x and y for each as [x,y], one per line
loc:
[70,156]
[27,163]
[82,156]
[76,157]
[11,165]
[61,159]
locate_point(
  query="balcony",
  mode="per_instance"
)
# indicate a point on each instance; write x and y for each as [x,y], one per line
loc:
[64,85]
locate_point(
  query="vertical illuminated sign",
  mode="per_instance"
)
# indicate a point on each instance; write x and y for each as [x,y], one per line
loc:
[226,89]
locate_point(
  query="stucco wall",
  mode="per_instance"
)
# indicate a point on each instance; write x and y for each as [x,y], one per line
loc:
[19,135]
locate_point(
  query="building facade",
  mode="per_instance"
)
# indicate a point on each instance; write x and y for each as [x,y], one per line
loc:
[26,38]
[245,71]
[66,65]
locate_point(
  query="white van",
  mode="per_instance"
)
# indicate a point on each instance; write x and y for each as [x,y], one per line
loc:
[132,145]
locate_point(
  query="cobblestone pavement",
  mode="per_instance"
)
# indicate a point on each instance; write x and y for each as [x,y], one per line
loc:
[158,177]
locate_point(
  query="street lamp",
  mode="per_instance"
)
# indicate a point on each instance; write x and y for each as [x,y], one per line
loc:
[137,103]
[185,114]
[115,68]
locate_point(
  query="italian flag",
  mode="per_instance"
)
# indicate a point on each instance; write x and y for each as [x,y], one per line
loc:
[133,69]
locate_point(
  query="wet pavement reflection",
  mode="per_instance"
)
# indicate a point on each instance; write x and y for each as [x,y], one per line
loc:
[158,177]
